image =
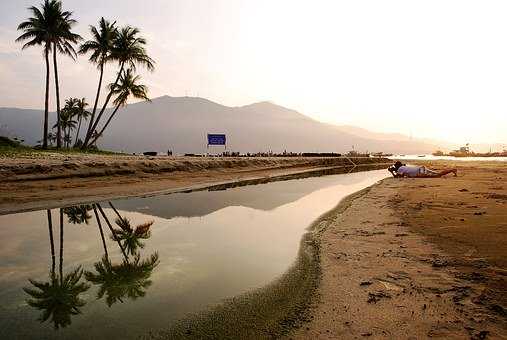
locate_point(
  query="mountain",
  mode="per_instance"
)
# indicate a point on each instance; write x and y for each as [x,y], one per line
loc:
[181,124]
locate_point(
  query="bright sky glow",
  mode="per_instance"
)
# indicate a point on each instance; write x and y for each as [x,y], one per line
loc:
[435,69]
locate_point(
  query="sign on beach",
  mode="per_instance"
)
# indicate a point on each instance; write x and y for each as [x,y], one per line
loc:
[216,139]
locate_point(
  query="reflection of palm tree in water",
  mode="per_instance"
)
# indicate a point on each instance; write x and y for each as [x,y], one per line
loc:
[131,277]
[78,214]
[130,237]
[58,299]
[124,280]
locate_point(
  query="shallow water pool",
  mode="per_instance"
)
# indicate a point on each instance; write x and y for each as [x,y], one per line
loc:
[64,276]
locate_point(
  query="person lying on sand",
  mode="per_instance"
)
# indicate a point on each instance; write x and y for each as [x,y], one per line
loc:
[403,170]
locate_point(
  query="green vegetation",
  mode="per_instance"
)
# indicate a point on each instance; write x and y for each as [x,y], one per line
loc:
[50,27]
[12,148]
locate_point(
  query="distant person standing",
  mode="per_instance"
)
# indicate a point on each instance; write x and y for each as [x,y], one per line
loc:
[402,170]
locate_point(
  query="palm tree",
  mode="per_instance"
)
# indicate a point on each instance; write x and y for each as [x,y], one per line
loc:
[128,49]
[100,47]
[66,122]
[38,31]
[124,280]
[62,40]
[78,214]
[81,113]
[126,87]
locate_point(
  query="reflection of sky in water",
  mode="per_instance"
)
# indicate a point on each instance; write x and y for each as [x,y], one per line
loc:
[229,242]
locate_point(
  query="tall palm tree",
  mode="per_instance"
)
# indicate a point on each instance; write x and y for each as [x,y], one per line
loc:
[126,87]
[62,40]
[81,113]
[128,50]
[100,48]
[38,31]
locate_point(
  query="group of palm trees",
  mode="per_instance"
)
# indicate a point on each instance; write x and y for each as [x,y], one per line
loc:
[50,27]
[59,299]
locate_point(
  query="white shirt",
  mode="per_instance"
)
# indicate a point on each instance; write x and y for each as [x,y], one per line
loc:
[410,171]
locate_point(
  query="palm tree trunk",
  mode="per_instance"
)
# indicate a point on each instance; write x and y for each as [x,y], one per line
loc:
[46,101]
[78,128]
[112,232]
[96,99]
[58,130]
[107,123]
[89,135]
[51,242]
[101,232]
[61,246]
[116,211]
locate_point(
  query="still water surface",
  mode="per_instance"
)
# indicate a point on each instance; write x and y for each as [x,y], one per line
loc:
[178,254]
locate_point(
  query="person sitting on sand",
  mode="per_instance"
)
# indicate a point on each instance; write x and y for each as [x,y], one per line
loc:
[403,170]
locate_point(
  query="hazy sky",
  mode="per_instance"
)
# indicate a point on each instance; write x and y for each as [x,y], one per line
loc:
[433,69]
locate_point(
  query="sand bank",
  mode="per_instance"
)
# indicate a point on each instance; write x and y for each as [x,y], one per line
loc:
[28,183]
[416,258]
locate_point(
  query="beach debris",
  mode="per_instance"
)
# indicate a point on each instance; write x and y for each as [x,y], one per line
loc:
[439,262]
[377,296]
[478,213]
[400,234]
[365,283]
[369,233]
[366,334]
[463,190]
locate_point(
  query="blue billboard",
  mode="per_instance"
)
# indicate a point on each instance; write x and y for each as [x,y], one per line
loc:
[216,139]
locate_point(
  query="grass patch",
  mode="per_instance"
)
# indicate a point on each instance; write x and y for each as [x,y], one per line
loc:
[11,148]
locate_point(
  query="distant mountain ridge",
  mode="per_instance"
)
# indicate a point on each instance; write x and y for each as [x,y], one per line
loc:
[180,124]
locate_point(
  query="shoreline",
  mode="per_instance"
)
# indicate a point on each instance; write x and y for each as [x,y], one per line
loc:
[272,311]
[391,269]
[146,177]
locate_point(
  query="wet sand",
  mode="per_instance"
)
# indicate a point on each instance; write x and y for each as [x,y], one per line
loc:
[416,258]
[47,181]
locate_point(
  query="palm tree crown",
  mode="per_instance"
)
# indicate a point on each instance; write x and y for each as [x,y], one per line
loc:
[102,42]
[50,24]
[128,86]
[128,48]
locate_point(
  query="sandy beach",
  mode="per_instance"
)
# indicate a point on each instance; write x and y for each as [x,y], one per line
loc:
[416,258]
